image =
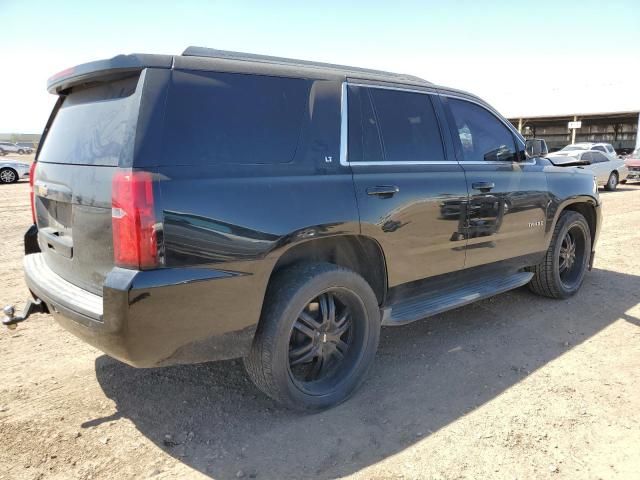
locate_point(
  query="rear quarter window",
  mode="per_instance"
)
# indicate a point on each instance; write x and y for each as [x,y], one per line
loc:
[229,118]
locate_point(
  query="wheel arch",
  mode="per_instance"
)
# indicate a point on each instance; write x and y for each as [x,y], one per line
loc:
[356,252]
[586,206]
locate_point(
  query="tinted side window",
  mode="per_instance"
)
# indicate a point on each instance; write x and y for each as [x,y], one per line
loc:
[599,157]
[482,136]
[600,148]
[408,126]
[216,118]
[364,139]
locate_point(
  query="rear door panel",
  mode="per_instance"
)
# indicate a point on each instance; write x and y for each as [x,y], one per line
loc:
[421,226]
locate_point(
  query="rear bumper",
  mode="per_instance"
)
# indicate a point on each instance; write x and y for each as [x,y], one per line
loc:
[157,317]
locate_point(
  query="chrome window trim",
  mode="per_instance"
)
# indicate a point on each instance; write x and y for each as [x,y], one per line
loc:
[418,162]
[344,126]
[497,162]
[387,87]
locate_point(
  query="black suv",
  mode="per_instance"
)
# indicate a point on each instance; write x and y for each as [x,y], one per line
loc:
[216,205]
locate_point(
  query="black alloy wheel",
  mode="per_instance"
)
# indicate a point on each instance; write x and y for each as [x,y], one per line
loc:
[321,339]
[317,337]
[562,270]
[570,256]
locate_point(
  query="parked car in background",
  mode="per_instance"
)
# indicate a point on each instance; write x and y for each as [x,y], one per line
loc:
[29,147]
[608,172]
[605,148]
[633,164]
[8,147]
[624,152]
[12,171]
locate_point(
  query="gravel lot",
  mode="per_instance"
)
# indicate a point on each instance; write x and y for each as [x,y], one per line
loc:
[512,387]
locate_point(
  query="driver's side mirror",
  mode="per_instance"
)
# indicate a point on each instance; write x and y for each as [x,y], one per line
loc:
[536,147]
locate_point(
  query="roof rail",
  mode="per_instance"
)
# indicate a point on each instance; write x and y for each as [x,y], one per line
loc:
[252,57]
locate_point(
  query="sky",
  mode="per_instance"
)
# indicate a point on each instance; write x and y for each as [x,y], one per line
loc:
[523,57]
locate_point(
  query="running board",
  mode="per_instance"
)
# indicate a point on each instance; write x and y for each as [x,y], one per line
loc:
[428,304]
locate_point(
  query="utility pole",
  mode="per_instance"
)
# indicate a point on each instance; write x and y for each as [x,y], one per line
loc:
[573,130]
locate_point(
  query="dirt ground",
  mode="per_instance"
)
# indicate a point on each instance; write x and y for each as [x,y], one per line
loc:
[515,387]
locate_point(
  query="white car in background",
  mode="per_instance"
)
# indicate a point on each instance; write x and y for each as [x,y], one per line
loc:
[8,147]
[12,171]
[608,172]
[605,148]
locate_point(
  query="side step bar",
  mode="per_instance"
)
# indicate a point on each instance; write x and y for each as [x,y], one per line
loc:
[431,303]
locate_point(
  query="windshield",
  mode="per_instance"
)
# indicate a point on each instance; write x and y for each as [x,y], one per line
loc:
[576,147]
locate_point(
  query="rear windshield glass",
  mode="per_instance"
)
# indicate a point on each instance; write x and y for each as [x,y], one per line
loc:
[94,126]
[230,118]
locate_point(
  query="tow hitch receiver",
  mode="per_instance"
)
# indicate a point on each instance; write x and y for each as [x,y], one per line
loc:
[11,321]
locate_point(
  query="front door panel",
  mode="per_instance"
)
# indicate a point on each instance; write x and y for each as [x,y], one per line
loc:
[507,221]
[508,194]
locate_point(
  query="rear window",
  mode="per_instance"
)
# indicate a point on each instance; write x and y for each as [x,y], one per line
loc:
[94,126]
[230,118]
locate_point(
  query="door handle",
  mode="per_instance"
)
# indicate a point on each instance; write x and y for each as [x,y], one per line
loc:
[384,191]
[483,186]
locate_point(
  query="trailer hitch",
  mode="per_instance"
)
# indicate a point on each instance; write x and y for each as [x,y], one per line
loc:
[11,321]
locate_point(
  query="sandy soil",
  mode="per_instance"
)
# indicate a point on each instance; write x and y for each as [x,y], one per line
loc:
[513,387]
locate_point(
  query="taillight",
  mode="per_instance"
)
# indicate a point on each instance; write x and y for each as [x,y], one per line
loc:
[32,173]
[133,220]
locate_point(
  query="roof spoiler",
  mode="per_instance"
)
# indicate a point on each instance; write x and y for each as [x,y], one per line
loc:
[101,70]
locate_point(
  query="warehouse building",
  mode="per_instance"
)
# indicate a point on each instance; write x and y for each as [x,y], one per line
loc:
[620,129]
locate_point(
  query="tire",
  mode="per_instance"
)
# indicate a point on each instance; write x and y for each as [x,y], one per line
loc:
[281,362]
[549,277]
[21,152]
[612,182]
[8,175]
